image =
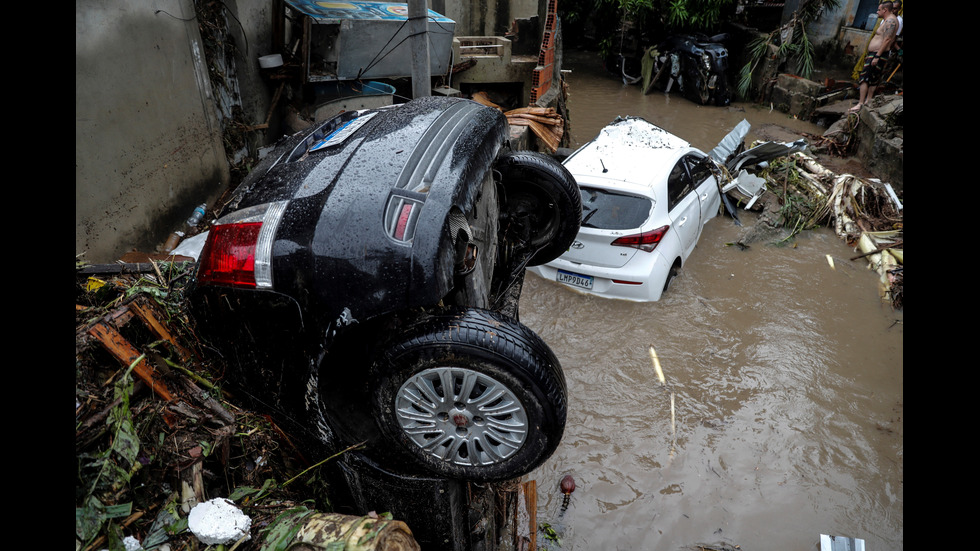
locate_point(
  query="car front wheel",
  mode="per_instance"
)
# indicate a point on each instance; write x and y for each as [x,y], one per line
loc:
[471,395]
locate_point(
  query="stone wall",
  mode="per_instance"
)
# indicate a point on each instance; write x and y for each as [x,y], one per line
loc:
[880,126]
[881,139]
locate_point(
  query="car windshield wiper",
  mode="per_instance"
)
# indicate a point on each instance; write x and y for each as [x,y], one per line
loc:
[587,216]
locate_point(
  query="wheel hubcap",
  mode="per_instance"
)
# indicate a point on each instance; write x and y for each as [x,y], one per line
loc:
[461,415]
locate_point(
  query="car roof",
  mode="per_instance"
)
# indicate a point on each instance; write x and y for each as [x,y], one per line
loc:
[629,149]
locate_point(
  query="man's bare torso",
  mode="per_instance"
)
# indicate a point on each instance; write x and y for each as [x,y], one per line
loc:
[886,33]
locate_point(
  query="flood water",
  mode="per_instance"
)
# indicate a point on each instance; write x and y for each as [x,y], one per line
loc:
[785,377]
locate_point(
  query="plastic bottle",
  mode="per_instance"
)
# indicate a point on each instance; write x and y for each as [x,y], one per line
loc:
[190,223]
[197,215]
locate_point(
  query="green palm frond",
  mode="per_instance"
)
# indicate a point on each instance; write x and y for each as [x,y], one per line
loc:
[798,46]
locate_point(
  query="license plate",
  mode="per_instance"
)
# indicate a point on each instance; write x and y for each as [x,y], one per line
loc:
[576,280]
[341,134]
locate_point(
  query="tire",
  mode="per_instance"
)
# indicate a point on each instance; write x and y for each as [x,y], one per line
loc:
[672,274]
[541,203]
[492,363]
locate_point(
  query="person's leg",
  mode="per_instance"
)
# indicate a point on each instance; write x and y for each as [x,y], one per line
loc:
[863,85]
[862,94]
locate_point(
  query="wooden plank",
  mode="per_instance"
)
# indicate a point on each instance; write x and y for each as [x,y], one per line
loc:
[127,354]
[145,312]
[531,495]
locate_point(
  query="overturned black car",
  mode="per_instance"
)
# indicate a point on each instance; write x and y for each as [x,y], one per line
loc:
[698,64]
[363,280]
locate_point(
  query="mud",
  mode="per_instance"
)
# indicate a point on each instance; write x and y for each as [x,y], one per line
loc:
[782,414]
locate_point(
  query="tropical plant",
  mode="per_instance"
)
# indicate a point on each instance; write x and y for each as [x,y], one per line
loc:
[790,40]
[610,17]
[697,15]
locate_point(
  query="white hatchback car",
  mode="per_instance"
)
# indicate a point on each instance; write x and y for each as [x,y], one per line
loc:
[646,196]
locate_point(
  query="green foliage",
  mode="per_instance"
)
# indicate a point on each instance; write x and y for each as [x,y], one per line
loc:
[166,524]
[90,518]
[696,15]
[283,530]
[790,41]
[110,470]
[253,494]
[799,211]
[610,17]
[757,48]
[550,533]
[113,467]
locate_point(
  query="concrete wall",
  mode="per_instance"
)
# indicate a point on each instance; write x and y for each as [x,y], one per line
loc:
[147,142]
[841,24]
[486,17]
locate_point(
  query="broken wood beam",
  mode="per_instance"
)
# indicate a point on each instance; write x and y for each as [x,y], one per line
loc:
[127,354]
[145,312]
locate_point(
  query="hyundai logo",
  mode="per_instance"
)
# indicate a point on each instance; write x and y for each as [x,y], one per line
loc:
[578,245]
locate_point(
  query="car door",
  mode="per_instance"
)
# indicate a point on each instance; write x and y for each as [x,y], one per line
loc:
[706,185]
[683,207]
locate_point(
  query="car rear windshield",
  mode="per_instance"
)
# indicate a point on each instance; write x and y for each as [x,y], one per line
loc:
[606,210]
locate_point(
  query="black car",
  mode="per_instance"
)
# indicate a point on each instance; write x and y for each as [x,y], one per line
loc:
[363,282]
[699,65]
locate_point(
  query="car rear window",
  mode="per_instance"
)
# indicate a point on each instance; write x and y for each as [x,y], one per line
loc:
[606,210]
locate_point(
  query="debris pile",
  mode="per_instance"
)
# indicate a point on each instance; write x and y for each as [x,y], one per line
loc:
[801,194]
[544,122]
[164,455]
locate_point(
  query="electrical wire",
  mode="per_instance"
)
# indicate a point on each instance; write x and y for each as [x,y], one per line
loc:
[378,59]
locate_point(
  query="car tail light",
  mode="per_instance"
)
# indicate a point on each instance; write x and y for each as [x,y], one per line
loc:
[646,241]
[401,218]
[238,251]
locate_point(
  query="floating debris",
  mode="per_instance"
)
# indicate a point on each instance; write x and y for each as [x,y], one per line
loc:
[545,122]
[838,543]
[656,366]
[567,487]
[663,383]
[801,194]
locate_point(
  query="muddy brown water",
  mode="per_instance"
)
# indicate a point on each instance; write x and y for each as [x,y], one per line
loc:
[785,377]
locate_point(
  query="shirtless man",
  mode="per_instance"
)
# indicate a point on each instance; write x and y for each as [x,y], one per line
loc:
[881,44]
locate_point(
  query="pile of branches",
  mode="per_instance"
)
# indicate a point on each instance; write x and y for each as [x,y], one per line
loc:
[155,435]
[865,213]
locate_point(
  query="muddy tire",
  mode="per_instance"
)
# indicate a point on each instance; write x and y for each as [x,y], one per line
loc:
[471,395]
[541,202]
[672,274]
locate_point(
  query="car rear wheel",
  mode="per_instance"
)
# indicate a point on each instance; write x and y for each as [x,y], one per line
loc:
[541,203]
[471,395]
[672,274]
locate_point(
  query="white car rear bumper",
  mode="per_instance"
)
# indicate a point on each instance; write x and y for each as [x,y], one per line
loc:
[641,279]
